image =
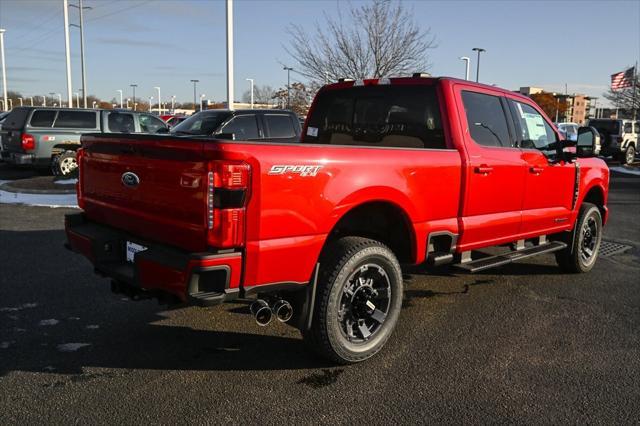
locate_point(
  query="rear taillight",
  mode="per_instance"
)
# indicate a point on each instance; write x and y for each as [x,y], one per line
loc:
[28,142]
[79,156]
[227,195]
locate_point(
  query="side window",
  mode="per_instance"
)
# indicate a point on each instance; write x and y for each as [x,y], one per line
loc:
[150,124]
[279,126]
[486,119]
[43,118]
[627,128]
[243,126]
[76,120]
[536,132]
[119,122]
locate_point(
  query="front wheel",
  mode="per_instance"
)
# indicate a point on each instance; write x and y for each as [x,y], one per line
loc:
[358,300]
[582,252]
[629,155]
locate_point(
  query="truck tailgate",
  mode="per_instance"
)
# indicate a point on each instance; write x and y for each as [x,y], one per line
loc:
[151,186]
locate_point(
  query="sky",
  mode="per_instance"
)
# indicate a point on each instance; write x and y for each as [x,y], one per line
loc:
[166,43]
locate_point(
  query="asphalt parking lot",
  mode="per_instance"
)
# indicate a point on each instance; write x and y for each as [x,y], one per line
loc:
[523,344]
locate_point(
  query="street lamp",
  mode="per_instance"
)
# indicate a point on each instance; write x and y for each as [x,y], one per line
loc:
[194,93]
[4,68]
[77,99]
[173,103]
[20,99]
[44,101]
[134,95]
[159,101]
[120,91]
[128,103]
[31,99]
[59,99]
[250,80]
[94,105]
[479,50]
[288,70]
[150,99]
[466,60]
[201,99]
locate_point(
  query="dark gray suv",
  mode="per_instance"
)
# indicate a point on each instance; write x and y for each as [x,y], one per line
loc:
[49,137]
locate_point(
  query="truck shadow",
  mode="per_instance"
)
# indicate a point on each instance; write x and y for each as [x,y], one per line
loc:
[57,317]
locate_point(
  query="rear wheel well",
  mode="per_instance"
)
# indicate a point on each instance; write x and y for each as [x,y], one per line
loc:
[380,221]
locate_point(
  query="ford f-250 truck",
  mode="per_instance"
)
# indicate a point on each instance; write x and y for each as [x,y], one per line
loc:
[388,172]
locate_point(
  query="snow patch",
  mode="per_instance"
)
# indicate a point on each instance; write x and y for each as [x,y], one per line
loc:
[18,308]
[625,170]
[66,181]
[71,347]
[42,200]
[51,321]
[5,345]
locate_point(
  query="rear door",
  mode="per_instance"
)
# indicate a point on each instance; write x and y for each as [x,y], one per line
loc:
[549,182]
[281,127]
[492,199]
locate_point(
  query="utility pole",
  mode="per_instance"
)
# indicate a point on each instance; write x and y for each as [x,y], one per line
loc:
[466,60]
[120,91]
[134,95]
[479,50]
[81,8]
[230,54]
[194,94]
[4,68]
[65,5]
[288,70]
[250,80]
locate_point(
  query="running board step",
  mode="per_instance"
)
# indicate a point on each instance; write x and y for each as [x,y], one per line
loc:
[503,259]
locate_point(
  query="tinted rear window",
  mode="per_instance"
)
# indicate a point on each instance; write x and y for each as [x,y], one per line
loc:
[43,118]
[384,116]
[202,123]
[606,126]
[76,120]
[486,119]
[280,126]
[119,122]
[16,119]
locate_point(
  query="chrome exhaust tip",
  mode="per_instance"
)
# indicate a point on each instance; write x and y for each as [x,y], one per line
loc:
[282,310]
[261,312]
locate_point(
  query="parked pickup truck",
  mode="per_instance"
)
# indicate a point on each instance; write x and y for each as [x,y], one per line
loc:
[388,172]
[49,137]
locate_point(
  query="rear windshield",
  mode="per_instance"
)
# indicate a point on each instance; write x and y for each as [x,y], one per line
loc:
[76,120]
[43,118]
[606,126]
[203,123]
[383,116]
[16,119]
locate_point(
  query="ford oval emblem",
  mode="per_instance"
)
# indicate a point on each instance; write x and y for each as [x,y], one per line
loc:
[130,179]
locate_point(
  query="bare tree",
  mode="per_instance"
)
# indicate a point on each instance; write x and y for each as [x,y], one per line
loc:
[261,95]
[381,39]
[623,98]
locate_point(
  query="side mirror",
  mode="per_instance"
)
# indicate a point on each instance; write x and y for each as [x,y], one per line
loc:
[229,136]
[588,142]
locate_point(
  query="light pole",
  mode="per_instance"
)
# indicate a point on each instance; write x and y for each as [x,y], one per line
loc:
[20,99]
[479,50]
[65,5]
[250,80]
[150,99]
[194,93]
[77,98]
[159,101]
[4,68]
[466,60]
[44,101]
[120,91]
[229,54]
[134,95]
[31,99]
[128,103]
[60,99]
[201,99]
[173,103]
[94,105]
[288,70]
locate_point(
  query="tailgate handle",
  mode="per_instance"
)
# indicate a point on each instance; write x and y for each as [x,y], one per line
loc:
[187,181]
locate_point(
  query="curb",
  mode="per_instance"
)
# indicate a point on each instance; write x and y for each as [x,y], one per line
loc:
[9,188]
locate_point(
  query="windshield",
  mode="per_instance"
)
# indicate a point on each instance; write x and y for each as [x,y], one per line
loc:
[203,123]
[606,126]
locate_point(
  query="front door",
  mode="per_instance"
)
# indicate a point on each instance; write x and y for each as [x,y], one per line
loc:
[550,182]
[492,198]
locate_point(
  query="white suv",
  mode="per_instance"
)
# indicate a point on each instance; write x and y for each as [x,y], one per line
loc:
[619,138]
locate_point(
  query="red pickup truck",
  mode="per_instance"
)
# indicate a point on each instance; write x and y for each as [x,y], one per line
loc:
[388,172]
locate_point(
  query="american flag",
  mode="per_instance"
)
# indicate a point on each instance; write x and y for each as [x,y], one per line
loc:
[623,79]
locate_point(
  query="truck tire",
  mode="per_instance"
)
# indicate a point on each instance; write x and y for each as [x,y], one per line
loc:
[629,156]
[65,164]
[582,250]
[358,300]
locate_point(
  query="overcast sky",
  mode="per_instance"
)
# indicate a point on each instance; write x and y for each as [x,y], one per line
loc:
[166,43]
